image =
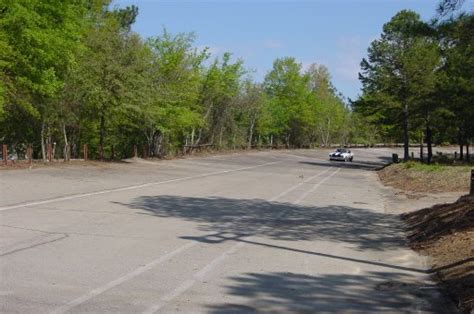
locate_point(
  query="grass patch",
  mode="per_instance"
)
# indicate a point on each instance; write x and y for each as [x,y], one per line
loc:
[419,177]
[424,167]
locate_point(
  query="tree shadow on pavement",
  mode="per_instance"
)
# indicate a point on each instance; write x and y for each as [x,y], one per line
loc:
[373,292]
[359,165]
[357,227]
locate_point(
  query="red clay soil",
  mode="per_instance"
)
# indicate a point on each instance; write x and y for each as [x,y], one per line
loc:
[445,233]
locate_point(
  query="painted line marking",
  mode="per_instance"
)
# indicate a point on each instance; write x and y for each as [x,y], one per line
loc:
[122,279]
[183,287]
[131,187]
[221,258]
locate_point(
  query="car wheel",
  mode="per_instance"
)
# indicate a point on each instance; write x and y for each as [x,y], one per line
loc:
[351,159]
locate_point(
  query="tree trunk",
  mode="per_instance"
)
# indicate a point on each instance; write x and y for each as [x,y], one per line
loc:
[249,145]
[421,147]
[102,134]
[429,136]
[468,157]
[43,147]
[233,141]
[157,140]
[406,140]
[461,151]
[66,144]
[54,151]
[199,138]
[220,137]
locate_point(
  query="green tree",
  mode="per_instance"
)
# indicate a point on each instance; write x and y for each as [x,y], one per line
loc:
[330,117]
[287,107]
[456,88]
[40,41]
[393,74]
[251,102]
[219,95]
[110,73]
[175,79]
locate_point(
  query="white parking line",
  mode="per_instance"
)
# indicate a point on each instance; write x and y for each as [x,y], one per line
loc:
[183,287]
[122,279]
[218,260]
[131,187]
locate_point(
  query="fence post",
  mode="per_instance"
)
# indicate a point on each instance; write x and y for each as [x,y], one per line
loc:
[53,151]
[395,158]
[49,152]
[101,153]
[5,154]
[135,151]
[85,152]
[29,153]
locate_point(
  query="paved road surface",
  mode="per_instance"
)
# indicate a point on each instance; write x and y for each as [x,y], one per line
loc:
[284,231]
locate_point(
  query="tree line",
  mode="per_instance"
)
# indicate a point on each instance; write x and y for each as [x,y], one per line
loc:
[418,80]
[74,72]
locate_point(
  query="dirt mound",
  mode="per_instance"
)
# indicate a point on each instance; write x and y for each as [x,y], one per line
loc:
[446,234]
[433,178]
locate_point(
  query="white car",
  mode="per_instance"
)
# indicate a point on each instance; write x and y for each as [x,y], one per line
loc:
[341,154]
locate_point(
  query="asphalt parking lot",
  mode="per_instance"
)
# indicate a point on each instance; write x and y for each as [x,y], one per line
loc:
[272,231]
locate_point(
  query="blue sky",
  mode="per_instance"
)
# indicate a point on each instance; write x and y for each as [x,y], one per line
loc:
[335,33]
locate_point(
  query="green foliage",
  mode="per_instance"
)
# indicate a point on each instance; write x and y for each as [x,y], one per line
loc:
[423,167]
[288,105]
[419,78]
[73,72]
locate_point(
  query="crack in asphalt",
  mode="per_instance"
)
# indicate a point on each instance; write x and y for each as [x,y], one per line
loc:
[64,236]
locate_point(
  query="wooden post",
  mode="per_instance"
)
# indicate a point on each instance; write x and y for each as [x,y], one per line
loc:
[85,152]
[135,151]
[49,152]
[5,154]
[53,152]
[112,153]
[29,153]
[395,158]
[101,153]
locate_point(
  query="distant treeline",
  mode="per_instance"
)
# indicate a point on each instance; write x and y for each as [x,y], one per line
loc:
[418,79]
[73,72]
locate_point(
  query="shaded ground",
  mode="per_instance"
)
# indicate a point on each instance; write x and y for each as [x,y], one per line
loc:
[446,234]
[283,292]
[279,231]
[417,177]
[230,220]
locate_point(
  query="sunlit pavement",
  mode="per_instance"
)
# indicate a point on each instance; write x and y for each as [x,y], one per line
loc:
[271,231]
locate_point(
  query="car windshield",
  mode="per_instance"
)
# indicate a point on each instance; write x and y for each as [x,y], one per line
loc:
[341,150]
